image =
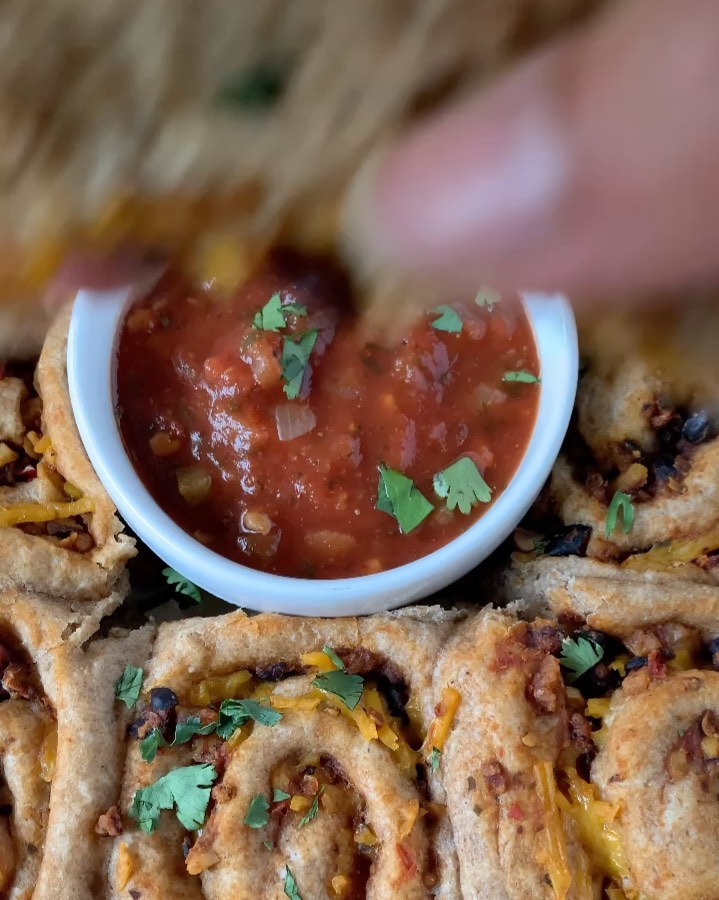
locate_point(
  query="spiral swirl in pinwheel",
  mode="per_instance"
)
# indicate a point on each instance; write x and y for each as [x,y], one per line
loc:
[59,534]
[583,761]
[294,749]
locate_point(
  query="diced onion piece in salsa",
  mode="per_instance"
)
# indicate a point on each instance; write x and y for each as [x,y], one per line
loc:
[194,484]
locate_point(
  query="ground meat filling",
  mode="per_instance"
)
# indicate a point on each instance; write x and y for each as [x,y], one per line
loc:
[697,751]
[17,675]
[640,473]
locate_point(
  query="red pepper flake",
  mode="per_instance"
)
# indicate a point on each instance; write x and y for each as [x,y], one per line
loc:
[515,812]
[407,860]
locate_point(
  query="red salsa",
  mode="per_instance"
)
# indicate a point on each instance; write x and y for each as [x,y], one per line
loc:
[271,429]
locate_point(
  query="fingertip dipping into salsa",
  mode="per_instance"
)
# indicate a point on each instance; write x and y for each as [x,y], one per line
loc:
[269,428]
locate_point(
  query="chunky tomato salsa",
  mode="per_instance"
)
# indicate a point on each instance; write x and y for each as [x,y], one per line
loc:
[269,427]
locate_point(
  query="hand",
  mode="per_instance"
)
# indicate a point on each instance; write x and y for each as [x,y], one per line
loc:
[592,167]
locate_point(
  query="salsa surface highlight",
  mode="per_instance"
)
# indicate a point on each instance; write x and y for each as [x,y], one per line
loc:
[268,426]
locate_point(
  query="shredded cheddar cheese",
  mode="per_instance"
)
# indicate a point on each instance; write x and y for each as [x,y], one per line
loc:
[7,454]
[595,820]
[48,756]
[318,660]
[43,512]
[441,725]
[299,803]
[74,493]
[305,703]
[672,554]
[365,836]
[408,815]
[554,857]
[124,866]
[221,687]
[340,885]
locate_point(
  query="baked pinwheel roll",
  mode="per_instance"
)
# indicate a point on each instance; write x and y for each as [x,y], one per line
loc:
[638,481]
[59,736]
[275,757]
[583,761]
[59,534]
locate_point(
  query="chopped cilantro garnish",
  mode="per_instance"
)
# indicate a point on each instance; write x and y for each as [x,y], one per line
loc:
[268,845]
[522,376]
[398,496]
[291,890]
[579,656]
[435,757]
[540,546]
[182,585]
[186,789]
[128,686]
[295,358]
[278,796]
[184,732]
[313,810]
[234,714]
[334,659]
[621,502]
[449,320]
[487,297]
[462,485]
[255,90]
[151,743]
[258,813]
[273,315]
[348,688]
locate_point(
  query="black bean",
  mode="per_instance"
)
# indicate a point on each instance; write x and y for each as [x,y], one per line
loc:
[163,698]
[697,428]
[636,662]
[571,541]
[714,645]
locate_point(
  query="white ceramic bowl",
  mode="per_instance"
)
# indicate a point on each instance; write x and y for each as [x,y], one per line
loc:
[92,350]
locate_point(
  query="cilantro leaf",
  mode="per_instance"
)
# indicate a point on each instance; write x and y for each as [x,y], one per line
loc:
[449,320]
[335,660]
[254,90]
[348,688]
[621,502]
[184,732]
[295,359]
[487,297]
[151,743]
[257,815]
[462,485]
[398,496]
[273,315]
[522,376]
[291,890]
[278,796]
[313,810]
[187,789]
[435,758]
[128,686]
[579,656]
[182,585]
[234,714]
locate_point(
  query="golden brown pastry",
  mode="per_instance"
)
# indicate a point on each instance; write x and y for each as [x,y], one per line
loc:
[59,534]
[639,475]
[583,761]
[150,120]
[59,735]
[298,753]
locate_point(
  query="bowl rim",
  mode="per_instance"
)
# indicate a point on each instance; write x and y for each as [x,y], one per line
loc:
[93,337]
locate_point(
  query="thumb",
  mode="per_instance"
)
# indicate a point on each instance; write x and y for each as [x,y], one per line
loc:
[591,168]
